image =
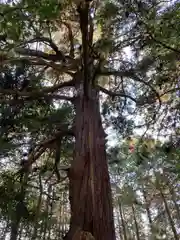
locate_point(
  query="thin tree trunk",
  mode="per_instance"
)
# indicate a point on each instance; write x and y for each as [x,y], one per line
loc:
[20,208]
[50,214]
[38,209]
[136,224]
[174,199]
[63,216]
[89,190]
[119,223]
[173,194]
[148,210]
[20,231]
[66,213]
[60,234]
[47,213]
[171,222]
[122,220]
[5,230]
[14,227]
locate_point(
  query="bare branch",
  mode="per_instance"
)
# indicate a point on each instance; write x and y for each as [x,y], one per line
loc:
[58,86]
[47,143]
[61,68]
[21,101]
[130,74]
[61,97]
[40,54]
[41,147]
[43,192]
[173,90]
[71,38]
[40,93]
[45,40]
[114,94]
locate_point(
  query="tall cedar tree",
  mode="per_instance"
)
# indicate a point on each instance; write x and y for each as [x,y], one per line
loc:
[74,45]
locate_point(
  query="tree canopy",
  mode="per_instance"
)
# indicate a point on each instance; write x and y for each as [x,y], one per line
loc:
[70,70]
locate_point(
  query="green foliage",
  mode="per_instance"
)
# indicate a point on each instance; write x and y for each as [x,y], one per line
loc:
[108,11]
[33,113]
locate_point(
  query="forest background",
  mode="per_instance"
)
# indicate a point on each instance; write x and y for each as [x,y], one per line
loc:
[89,119]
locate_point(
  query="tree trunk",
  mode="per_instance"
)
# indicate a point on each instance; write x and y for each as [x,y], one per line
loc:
[119,224]
[174,199]
[171,222]
[135,222]
[45,227]
[148,210]
[20,235]
[20,209]
[38,210]
[122,221]
[90,190]
[5,231]
[15,226]
[51,214]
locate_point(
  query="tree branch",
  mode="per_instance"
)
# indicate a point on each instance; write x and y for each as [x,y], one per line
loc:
[41,147]
[130,74]
[46,143]
[40,54]
[60,97]
[62,68]
[43,192]
[160,42]
[42,92]
[165,45]
[21,101]
[45,40]
[114,94]
[71,38]
[173,90]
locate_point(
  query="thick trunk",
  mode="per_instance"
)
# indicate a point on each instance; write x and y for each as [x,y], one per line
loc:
[90,191]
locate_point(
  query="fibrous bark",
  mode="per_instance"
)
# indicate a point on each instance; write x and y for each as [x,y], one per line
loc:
[90,191]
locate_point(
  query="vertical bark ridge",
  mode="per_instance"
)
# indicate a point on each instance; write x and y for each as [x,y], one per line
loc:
[90,192]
